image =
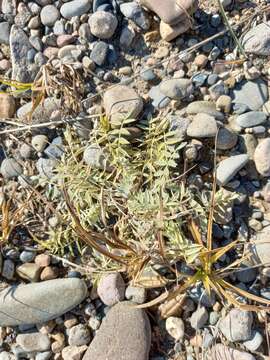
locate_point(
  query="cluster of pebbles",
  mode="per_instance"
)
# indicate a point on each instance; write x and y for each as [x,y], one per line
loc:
[134,53]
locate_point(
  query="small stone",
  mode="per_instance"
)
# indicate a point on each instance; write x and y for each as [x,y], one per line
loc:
[34,342]
[201,60]
[221,351]
[127,36]
[213,318]
[39,142]
[236,326]
[205,107]
[46,355]
[7,106]
[79,335]
[134,11]
[4,33]
[229,167]
[111,289]
[5,65]
[262,157]
[49,273]
[99,53]
[27,256]
[49,15]
[202,126]
[122,102]
[43,260]
[226,139]
[94,156]
[8,270]
[199,318]
[175,327]
[4,355]
[103,24]
[29,271]
[46,167]
[131,328]
[179,125]
[56,149]
[94,323]
[251,119]
[176,88]
[136,294]
[73,352]
[162,52]
[159,100]
[224,103]
[10,168]
[255,342]
[75,8]
[170,32]
[257,40]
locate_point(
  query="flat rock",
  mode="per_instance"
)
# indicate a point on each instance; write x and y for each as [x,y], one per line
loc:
[251,119]
[236,326]
[205,107]
[262,157]
[38,303]
[22,69]
[75,8]
[257,40]
[127,332]
[253,94]
[229,167]
[33,342]
[122,102]
[159,100]
[202,126]
[221,351]
[42,113]
[170,32]
[226,139]
[176,89]
[260,247]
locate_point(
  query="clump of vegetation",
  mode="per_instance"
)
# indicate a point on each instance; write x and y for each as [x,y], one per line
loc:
[136,214]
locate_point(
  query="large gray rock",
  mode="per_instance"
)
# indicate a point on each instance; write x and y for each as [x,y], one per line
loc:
[103,24]
[253,94]
[257,40]
[38,303]
[176,88]
[251,119]
[205,107]
[236,326]
[22,69]
[229,167]
[125,334]
[202,126]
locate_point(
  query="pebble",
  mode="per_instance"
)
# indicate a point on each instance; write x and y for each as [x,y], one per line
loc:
[49,15]
[261,247]
[39,142]
[7,106]
[75,8]
[205,107]
[4,32]
[73,352]
[176,88]
[255,342]
[79,335]
[23,70]
[159,100]
[131,328]
[103,24]
[49,273]
[229,167]
[250,119]
[40,302]
[199,318]
[46,355]
[29,272]
[202,126]
[111,289]
[27,256]
[94,323]
[236,326]
[148,74]
[201,60]
[132,10]
[94,156]
[170,32]
[213,317]
[121,102]
[175,327]
[136,294]
[46,167]
[224,103]
[248,274]
[127,36]
[35,342]
[257,40]
[253,94]
[262,157]
[99,53]
[4,355]
[221,351]
[10,168]
[179,125]
[8,270]
[226,139]
[55,150]
[43,260]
